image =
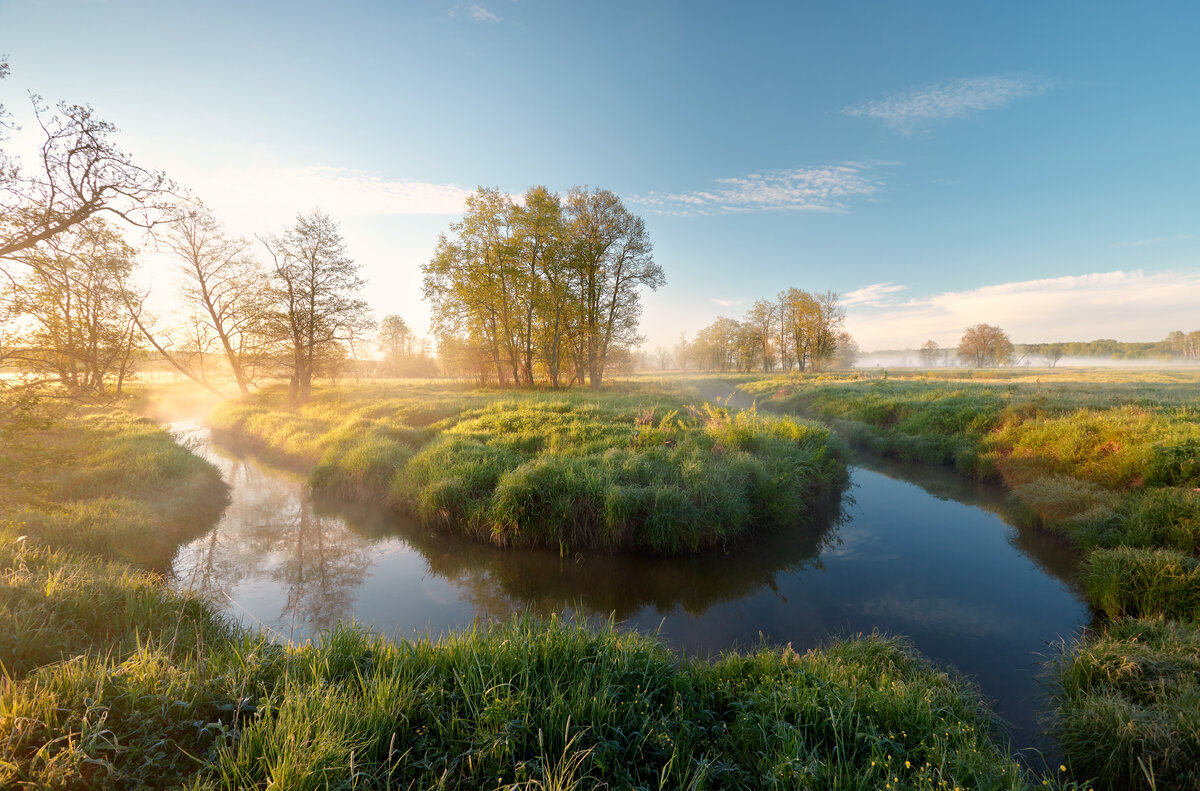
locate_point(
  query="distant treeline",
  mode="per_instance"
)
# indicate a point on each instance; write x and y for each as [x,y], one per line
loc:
[1177,345]
[799,331]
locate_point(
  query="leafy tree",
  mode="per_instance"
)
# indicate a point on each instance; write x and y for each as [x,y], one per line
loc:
[930,352]
[761,318]
[1052,353]
[848,351]
[316,307]
[538,289]
[611,259]
[74,297]
[984,345]
[811,323]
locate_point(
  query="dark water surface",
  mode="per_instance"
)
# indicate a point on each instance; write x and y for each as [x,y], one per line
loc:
[918,552]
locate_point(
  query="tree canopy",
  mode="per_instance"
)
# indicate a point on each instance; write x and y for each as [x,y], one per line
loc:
[541,290]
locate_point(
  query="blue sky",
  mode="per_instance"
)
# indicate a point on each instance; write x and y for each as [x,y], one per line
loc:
[1032,165]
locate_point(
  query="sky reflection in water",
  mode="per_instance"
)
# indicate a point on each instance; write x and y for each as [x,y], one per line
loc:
[929,561]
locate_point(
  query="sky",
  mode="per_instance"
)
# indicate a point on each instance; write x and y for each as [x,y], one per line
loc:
[1030,165]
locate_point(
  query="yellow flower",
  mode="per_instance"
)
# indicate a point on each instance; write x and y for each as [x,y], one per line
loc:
[1062,767]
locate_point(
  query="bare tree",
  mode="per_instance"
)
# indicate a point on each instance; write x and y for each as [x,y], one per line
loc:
[79,173]
[930,351]
[317,309]
[226,287]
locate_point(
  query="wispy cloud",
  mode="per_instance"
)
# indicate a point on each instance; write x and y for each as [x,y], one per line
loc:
[1126,305]
[261,196]
[481,14]
[1156,240]
[725,303]
[910,111]
[873,294]
[828,188]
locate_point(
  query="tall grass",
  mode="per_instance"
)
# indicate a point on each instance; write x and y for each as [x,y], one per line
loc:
[1128,705]
[626,470]
[112,681]
[1113,466]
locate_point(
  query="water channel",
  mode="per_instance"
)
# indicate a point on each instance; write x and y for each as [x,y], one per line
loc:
[917,552]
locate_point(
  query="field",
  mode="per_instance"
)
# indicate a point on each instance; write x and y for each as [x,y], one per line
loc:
[110,680]
[639,468]
[1111,462]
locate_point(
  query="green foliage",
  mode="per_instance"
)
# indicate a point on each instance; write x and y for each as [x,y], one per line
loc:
[1143,582]
[1109,460]
[615,471]
[1128,705]
[112,681]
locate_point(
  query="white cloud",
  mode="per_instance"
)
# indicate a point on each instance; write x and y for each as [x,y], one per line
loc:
[1156,240]
[725,303]
[1131,306]
[481,14]
[871,295]
[907,112]
[828,188]
[266,195]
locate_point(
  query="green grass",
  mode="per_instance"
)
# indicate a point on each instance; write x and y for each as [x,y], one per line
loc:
[1128,705]
[1111,462]
[110,680]
[634,469]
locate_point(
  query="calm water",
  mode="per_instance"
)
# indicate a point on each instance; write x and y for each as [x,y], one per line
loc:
[917,552]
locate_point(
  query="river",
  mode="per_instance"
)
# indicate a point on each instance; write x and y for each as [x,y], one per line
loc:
[917,552]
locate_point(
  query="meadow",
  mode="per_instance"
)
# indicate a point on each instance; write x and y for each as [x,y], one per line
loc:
[111,680]
[1108,460]
[642,468]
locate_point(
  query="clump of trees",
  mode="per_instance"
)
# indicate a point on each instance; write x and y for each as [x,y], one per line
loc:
[544,290]
[984,345]
[69,306]
[71,315]
[799,331]
[403,352]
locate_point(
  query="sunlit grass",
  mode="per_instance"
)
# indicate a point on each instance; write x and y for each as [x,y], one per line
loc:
[633,469]
[1107,459]
[112,681]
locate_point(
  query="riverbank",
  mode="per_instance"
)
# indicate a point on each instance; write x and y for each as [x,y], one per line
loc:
[152,689]
[640,469]
[1111,461]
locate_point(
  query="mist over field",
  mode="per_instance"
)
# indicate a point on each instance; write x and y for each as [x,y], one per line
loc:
[533,395]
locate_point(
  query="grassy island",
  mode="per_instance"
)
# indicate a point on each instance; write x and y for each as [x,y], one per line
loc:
[1108,460]
[632,469]
[111,680]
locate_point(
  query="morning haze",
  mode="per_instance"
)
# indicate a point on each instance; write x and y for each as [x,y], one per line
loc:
[533,395]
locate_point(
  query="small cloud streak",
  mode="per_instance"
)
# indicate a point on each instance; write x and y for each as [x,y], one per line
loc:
[358,192]
[262,196]
[828,188]
[910,111]
[1130,306]
[873,294]
[725,303]
[481,14]
[1156,240]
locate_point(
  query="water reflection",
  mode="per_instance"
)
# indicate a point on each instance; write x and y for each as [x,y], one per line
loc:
[315,560]
[929,559]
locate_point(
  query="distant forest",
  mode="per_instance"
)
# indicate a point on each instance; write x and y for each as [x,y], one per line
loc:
[1176,346]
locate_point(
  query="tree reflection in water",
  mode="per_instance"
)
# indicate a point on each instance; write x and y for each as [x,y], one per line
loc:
[319,553]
